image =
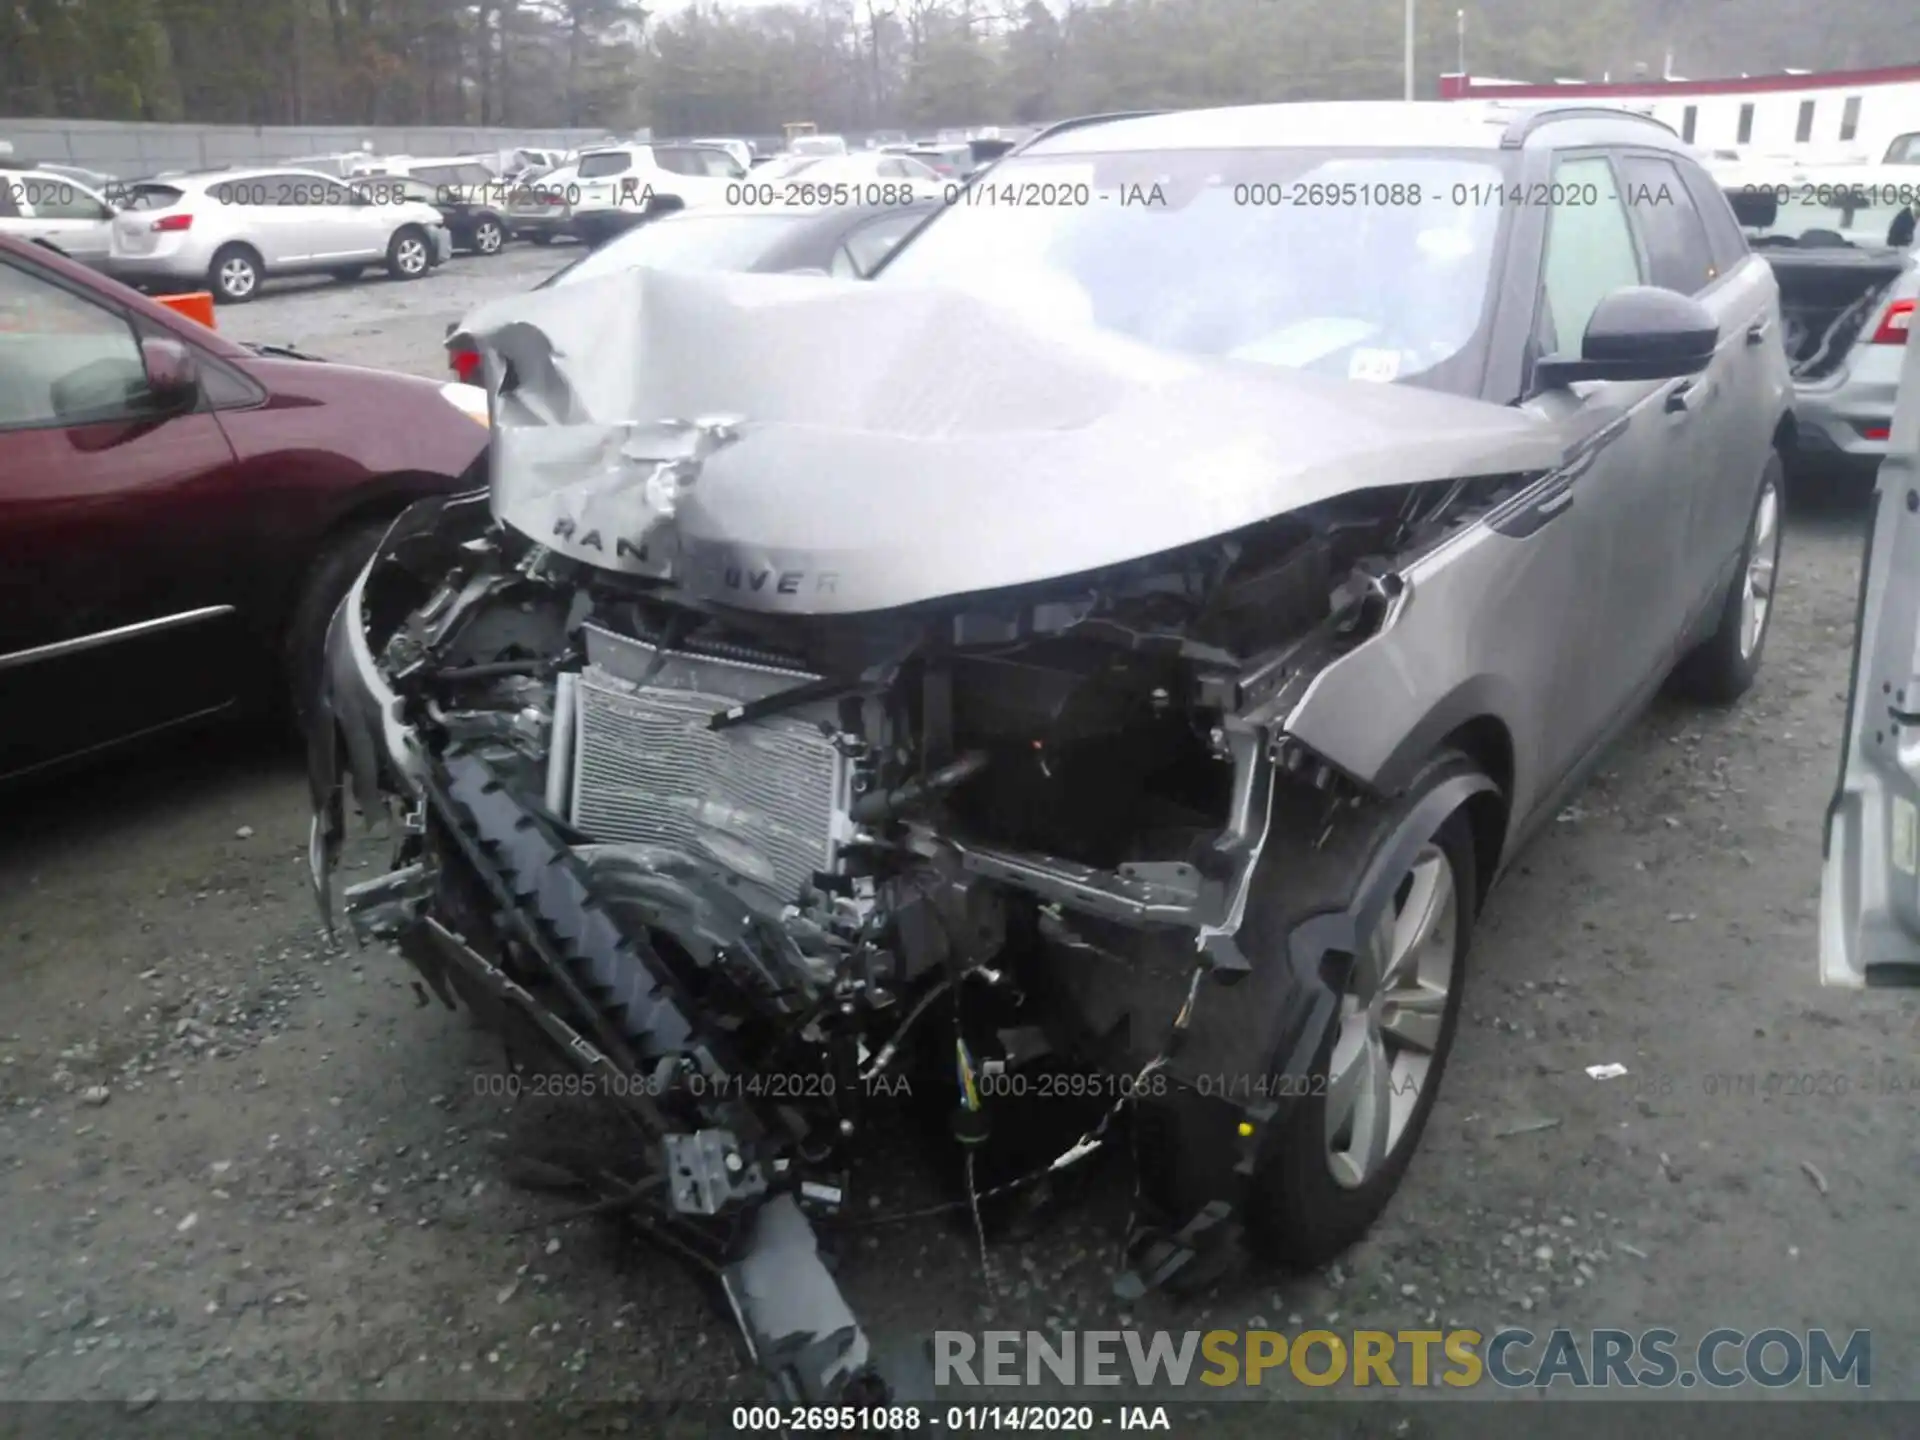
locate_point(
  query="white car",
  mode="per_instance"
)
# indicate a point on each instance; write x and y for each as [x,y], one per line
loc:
[622,185]
[229,230]
[854,174]
[58,212]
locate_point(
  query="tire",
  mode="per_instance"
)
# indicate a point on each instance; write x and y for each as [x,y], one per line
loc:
[1292,1211]
[1309,1200]
[234,276]
[409,253]
[489,236]
[345,273]
[1722,667]
[334,569]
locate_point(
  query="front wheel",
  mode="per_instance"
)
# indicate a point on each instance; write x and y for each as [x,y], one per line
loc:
[1342,1149]
[1723,666]
[408,257]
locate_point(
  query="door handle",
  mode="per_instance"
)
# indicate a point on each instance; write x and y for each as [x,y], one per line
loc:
[1758,331]
[1679,400]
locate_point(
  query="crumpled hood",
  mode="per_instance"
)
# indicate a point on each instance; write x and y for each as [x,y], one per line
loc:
[811,446]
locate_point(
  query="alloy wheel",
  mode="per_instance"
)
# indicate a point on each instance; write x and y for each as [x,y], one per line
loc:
[411,256]
[237,277]
[487,238]
[1391,1018]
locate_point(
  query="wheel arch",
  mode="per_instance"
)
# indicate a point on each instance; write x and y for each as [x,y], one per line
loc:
[1786,434]
[380,500]
[1470,719]
[1486,740]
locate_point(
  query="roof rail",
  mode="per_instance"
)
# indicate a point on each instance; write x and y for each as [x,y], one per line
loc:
[1079,122]
[1532,118]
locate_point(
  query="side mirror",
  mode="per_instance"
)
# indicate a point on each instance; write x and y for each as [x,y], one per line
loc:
[1639,332]
[173,375]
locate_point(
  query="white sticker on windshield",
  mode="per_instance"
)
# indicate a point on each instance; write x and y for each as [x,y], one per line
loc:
[1379,366]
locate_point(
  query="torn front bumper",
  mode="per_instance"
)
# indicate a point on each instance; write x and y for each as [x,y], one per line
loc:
[734,1204]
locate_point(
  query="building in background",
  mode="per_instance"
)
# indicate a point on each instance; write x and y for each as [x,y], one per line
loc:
[1864,116]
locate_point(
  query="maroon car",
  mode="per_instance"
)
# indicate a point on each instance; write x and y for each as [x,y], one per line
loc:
[180,514]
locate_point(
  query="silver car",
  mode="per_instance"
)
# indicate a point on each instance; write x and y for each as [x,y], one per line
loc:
[1841,241]
[228,231]
[57,211]
[1106,657]
[1870,885]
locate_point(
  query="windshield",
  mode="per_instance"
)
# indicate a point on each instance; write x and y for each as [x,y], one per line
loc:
[148,197]
[1350,263]
[686,242]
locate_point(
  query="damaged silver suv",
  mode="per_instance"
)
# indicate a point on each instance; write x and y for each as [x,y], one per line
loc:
[1128,635]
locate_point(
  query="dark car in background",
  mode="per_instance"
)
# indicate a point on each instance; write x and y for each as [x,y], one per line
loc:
[844,240]
[180,514]
[469,197]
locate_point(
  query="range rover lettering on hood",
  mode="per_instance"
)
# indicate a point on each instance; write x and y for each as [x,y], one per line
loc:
[801,445]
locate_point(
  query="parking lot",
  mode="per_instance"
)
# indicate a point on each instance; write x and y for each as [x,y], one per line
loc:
[241,1164]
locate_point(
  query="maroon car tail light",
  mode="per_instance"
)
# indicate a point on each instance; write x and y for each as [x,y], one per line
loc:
[168,223]
[1895,324]
[466,365]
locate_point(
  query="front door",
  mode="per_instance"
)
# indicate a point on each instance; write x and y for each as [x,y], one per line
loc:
[116,615]
[1627,507]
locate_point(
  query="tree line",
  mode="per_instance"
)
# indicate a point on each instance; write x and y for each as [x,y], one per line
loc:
[722,69]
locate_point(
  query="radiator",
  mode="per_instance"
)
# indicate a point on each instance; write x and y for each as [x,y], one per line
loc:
[765,799]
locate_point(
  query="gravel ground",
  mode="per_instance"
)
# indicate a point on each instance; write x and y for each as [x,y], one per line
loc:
[237,1164]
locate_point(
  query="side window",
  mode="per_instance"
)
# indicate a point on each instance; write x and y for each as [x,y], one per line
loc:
[1710,202]
[1744,136]
[1590,251]
[63,360]
[1678,255]
[55,199]
[843,266]
[1904,151]
[1850,118]
[890,169]
[872,242]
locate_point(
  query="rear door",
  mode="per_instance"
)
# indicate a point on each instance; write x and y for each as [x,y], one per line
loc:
[1870,878]
[116,534]
[259,211]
